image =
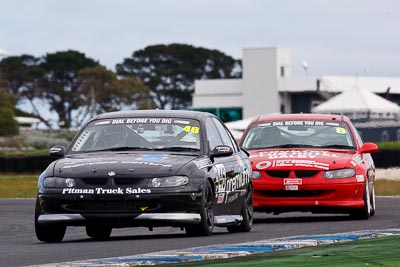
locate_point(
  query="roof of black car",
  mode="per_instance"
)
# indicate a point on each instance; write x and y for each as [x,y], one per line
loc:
[188,114]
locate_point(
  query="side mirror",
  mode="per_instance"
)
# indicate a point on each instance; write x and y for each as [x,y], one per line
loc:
[369,148]
[57,151]
[221,151]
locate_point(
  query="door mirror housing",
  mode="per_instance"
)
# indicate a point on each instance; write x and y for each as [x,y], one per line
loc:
[57,151]
[369,148]
[221,151]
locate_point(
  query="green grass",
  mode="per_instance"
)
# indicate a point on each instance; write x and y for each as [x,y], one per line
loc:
[18,186]
[383,251]
[387,187]
[389,145]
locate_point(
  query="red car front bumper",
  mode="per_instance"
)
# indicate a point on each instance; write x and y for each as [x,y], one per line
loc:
[272,195]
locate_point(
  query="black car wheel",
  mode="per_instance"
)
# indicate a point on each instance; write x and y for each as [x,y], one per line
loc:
[50,233]
[247,213]
[98,232]
[364,212]
[206,226]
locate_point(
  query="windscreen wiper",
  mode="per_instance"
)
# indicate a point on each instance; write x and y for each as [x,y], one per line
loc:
[179,148]
[293,145]
[339,146]
[124,148]
[127,148]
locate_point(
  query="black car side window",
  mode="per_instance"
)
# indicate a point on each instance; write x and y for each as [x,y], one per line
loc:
[235,145]
[213,137]
[225,135]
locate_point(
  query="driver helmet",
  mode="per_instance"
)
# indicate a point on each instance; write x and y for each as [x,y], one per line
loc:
[115,136]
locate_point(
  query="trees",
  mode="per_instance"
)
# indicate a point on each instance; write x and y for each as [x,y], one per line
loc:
[8,125]
[72,84]
[21,76]
[100,91]
[170,70]
[52,79]
[60,84]
[75,86]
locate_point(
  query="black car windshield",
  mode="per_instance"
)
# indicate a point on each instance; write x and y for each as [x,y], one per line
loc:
[126,134]
[299,134]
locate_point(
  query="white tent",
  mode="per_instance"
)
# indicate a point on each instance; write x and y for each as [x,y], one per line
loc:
[238,125]
[359,103]
[236,134]
[242,124]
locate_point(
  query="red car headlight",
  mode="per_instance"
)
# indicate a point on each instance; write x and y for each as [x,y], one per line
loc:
[341,173]
[256,175]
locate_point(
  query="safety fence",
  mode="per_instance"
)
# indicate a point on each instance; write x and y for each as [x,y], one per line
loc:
[25,164]
[386,158]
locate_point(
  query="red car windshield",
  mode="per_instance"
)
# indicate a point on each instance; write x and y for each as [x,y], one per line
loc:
[303,133]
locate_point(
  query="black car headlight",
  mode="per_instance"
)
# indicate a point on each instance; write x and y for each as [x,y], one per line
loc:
[341,173]
[56,182]
[169,181]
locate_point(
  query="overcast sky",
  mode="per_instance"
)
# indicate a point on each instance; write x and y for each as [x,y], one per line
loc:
[335,37]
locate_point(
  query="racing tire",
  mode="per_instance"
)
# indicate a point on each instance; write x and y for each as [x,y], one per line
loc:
[364,212]
[373,201]
[247,213]
[50,233]
[98,232]
[206,225]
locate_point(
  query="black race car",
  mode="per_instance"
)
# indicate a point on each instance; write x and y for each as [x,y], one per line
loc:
[146,168]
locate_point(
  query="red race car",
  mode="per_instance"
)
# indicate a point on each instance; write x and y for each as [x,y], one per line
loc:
[310,162]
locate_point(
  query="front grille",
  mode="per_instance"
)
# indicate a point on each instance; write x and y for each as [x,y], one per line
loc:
[95,181]
[127,181]
[297,173]
[278,174]
[112,206]
[305,173]
[284,193]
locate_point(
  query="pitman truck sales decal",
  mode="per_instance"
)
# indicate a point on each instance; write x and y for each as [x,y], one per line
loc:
[105,191]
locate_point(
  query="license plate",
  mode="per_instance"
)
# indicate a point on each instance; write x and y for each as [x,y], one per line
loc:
[292,187]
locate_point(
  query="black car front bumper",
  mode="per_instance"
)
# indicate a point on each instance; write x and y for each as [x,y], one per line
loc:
[167,209]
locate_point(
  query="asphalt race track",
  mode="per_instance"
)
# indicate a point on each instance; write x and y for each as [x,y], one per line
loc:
[19,246]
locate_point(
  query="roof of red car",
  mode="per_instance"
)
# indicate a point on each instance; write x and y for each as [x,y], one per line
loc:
[301,116]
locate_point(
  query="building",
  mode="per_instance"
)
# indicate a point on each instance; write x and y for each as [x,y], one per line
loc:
[26,123]
[267,86]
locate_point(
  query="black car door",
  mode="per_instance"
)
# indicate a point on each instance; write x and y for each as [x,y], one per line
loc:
[237,178]
[222,171]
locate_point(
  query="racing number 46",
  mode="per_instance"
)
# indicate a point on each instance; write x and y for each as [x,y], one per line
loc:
[191,129]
